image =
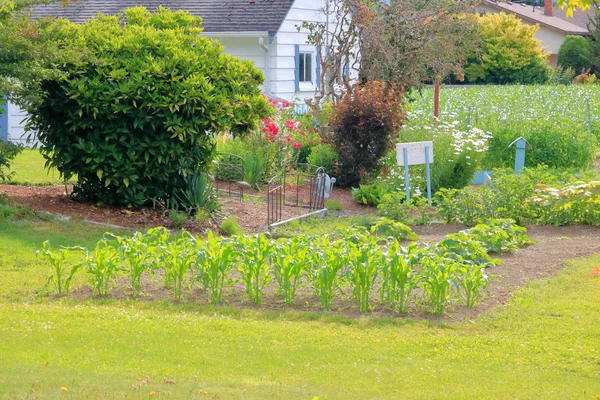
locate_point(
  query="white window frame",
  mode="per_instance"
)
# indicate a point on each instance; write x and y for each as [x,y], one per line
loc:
[309,85]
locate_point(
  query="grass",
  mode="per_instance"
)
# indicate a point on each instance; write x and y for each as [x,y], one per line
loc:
[29,170]
[320,226]
[544,344]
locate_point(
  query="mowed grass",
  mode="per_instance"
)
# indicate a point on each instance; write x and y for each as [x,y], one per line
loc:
[29,170]
[544,344]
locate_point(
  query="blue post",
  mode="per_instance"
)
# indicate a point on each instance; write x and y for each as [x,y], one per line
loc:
[406,174]
[428,169]
[521,145]
[3,119]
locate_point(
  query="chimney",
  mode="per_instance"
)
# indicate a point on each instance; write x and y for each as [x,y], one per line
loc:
[549,8]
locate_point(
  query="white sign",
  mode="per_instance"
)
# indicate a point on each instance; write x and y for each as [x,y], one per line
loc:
[415,151]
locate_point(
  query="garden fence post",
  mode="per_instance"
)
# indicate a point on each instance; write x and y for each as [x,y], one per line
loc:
[405,151]
[428,169]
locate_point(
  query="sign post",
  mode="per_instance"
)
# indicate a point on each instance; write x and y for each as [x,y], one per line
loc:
[415,153]
[521,145]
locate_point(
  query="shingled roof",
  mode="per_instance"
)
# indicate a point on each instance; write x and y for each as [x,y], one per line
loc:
[217,15]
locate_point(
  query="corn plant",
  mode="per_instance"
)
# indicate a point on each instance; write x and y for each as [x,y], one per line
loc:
[327,261]
[399,277]
[254,266]
[103,266]
[177,257]
[289,262]
[364,263]
[215,260]
[134,254]
[437,276]
[62,269]
[470,281]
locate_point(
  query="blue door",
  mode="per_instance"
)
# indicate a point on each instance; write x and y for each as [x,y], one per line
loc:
[4,120]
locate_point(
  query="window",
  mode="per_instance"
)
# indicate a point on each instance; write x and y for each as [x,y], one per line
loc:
[305,72]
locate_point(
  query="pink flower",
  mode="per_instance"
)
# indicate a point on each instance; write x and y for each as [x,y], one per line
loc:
[285,104]
[288,138]
[290,124]
[310,143]
[297,145]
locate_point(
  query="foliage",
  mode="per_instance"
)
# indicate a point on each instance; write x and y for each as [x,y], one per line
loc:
[399,276]
[327,261]
[323,155]
[464,248]
[471,281]
[333,205]
[178,218]
[561,76]
[576,52]
[436,280]
[371,194]
[230,226]
[553,119]
[413,41]
[103,267]
[197,196]
[62,269]
[510,52]
[254,170]
[131,136]
[290,262]
[541,196]
[367,259]
[178,256]
[500,235]
[416,211]
[389,228]
[586,77]
[8,152]
[168,335]
[458,151]
[365,125]
[215,260]
[135,256]
[255,254]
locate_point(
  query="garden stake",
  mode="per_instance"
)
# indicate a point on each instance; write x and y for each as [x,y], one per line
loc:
[428,168]
[521,145]
[406,173]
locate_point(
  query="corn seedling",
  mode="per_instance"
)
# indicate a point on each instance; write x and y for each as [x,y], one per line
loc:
[364,262]
[214,262]
[134,255]
[326,263]
[437,274]
[254,266]
[177,257]
[289,262]
[470,281]
[62,269]
[399,277]
[103,266]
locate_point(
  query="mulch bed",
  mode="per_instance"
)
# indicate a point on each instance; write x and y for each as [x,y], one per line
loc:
[252,215]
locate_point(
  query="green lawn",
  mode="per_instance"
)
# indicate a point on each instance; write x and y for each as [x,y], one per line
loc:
[29,170]
[544,344]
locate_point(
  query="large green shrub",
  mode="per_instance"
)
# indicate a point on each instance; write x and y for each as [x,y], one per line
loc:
[140,109]
[576,52]
[510,52]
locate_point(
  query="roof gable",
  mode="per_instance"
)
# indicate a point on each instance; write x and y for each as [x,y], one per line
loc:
[217,15]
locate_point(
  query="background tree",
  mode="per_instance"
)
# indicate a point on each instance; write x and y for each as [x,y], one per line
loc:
[138,111]
[594,28]
[409,42]
[510,52]
[577,53]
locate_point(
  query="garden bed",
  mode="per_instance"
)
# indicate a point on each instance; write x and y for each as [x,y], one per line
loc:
[553,246]
[251,216]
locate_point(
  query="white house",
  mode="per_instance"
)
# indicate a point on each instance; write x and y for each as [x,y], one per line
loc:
[263,31]
[554,26]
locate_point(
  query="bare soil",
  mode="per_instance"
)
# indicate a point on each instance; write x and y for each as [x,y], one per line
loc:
[553,247]
[251,212]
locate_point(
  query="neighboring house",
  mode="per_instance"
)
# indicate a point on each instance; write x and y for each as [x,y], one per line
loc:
[263,31]
[554,25]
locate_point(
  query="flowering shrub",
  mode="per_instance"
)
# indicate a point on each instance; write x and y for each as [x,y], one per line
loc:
[295,139]
[457,155]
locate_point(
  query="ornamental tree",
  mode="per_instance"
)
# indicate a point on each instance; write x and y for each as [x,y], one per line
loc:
[510,52]
[139,110]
